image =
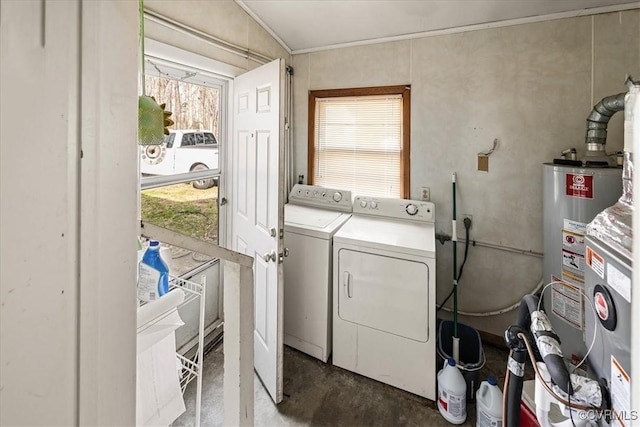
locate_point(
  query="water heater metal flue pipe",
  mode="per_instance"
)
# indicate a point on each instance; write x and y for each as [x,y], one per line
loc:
[597,122]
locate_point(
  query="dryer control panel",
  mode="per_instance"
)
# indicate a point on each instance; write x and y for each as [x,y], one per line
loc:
[413,210]
[321,197]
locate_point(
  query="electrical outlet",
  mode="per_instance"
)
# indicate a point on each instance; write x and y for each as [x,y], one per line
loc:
[425,194]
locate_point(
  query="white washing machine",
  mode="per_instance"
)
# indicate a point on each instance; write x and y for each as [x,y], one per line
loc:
[311,218]
[384,289]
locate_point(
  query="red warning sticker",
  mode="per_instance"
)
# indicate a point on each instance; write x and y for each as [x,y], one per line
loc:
[578,185]
[595,261]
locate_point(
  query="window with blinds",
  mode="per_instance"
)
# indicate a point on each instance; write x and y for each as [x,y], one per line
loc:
[358,140]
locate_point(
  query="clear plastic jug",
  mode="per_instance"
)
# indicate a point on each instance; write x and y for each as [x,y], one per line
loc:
[489,404]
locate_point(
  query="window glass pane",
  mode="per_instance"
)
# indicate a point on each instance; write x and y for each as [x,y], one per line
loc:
[168,139]
[193,107]
[188,139]
[209,138]
[358,144]
[187,210]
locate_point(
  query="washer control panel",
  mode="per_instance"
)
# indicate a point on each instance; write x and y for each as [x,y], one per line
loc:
[328,198]
[415,210]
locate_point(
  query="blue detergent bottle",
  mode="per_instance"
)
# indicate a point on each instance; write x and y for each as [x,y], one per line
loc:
[153,274]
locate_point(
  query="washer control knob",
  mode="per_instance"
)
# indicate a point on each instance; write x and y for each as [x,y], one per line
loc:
[411,209]
[308,193]
[337,196]
[373,205]
[323,194]
[363,203]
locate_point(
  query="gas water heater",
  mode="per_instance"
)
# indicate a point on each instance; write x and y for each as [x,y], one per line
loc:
[573,196]
[574,192]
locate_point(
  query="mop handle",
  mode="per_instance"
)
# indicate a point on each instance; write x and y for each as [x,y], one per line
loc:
[455,261]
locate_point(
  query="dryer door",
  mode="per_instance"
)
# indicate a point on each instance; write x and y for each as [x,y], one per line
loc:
[384,292]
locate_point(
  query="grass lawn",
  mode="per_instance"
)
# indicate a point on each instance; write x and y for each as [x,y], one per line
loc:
[184,209]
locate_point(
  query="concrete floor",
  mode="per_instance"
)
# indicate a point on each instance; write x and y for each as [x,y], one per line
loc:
[318,394]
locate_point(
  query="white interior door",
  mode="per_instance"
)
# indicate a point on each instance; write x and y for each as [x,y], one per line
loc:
[257,208]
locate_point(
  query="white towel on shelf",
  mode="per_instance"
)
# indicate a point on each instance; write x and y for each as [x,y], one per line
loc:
[159,398]
[157,319]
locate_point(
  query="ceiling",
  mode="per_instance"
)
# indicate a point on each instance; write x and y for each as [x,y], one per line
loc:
[309,25]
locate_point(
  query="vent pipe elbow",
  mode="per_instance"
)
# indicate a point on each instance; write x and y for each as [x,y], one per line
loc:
[598,120]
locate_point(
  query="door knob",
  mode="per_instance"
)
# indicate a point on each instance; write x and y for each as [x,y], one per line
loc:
[272,231]
[286,252]
[269,256]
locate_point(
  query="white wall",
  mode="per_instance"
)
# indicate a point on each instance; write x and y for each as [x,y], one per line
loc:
[531,86]
[68,185]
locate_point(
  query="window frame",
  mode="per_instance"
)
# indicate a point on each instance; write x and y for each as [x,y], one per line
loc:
[403,90]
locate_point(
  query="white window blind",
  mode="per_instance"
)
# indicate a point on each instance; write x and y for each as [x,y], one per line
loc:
[358,144]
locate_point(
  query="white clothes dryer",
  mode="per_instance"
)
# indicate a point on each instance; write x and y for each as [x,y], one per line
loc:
[384,289]
[311,218]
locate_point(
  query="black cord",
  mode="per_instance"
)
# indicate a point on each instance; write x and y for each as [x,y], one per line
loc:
[445,301]
[569,400]
[467,226]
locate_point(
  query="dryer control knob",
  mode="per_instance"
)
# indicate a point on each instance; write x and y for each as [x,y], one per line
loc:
[373,204]
[337,196]
[411,209]
[363,203]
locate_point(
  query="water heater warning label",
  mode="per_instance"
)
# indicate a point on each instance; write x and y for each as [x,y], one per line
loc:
[575,227]
[573,265]
[620,395]
[566,303]
[596,262]
[573,242]
[578,185]
[573,249]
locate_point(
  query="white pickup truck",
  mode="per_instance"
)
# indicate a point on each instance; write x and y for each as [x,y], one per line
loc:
[182,151]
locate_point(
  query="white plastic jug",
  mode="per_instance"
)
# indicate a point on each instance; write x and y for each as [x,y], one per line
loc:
[489,404]
[452,393]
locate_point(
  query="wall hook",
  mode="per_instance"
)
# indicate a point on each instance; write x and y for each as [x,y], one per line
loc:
[488,153]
